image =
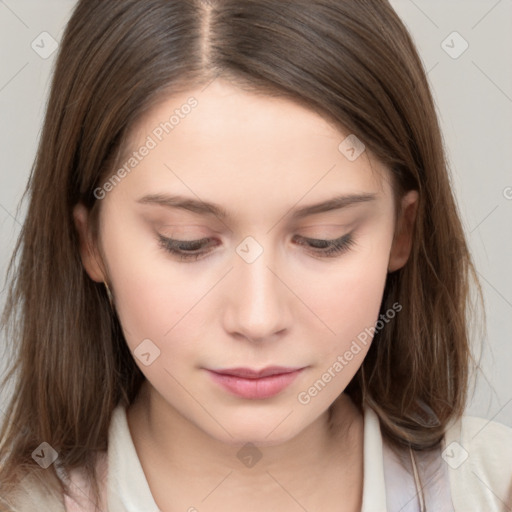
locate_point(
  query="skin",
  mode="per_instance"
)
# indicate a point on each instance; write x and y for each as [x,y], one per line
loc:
[259,158]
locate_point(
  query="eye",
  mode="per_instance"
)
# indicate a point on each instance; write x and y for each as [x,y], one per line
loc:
[192,250]
[184,249]
[329,248]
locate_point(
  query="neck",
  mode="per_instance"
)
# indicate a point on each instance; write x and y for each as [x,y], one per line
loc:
[169,444]
[181,440]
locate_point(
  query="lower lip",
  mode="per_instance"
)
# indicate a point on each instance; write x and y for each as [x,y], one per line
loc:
[255,389]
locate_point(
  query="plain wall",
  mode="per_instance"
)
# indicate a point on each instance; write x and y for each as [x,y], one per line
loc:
[473,93]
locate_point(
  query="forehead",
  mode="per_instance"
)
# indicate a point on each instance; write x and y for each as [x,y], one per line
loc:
[223,142]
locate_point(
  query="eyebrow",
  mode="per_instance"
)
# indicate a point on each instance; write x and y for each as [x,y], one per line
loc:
[205,208]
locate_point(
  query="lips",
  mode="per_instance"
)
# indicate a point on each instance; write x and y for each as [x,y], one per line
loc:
[255,384]
[249,373]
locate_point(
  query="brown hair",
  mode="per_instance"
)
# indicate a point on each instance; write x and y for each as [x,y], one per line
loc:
[352,62]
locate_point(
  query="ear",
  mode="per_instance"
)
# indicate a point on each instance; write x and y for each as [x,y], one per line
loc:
[402,241]
[88,251]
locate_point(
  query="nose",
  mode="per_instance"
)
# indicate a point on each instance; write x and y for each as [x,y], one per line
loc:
[258,301]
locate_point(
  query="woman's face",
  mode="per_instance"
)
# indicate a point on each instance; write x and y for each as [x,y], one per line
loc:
[230,181]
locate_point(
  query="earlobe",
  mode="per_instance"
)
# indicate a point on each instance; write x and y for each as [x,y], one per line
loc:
[402,242]
[88,251]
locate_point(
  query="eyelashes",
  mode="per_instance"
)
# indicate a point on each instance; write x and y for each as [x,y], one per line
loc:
[192,250]
[184,249]
[329,248]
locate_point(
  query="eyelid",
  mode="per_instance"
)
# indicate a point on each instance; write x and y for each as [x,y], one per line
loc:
[333,247]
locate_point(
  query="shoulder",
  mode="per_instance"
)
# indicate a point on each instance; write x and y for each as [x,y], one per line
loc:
[478,452]
[484,440]
[40,492]
[34,493]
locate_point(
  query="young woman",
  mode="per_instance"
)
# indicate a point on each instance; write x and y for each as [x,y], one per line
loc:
[242,281]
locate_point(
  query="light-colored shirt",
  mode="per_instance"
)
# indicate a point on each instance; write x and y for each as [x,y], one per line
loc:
[470,471]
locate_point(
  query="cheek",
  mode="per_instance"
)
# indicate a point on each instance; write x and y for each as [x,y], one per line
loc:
[349,298]
[153,296]
[349,303]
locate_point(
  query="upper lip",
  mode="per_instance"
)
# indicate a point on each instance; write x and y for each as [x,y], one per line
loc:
[249,373]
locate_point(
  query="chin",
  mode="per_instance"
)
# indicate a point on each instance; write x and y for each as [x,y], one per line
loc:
[257,428]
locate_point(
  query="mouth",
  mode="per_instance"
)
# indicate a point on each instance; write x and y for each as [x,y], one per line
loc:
[255,384]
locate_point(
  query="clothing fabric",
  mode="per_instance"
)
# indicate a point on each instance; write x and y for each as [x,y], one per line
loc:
[470,471]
